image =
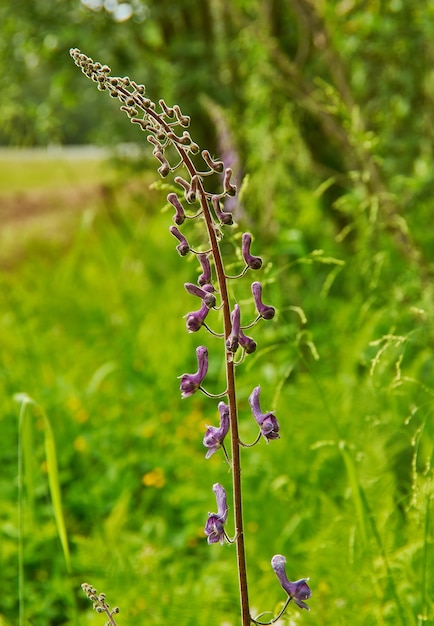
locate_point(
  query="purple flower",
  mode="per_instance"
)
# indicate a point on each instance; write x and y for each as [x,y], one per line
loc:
[214,527]
[248,343]
[195,319]
[190,383]
[299,590]
[265,311]
[205,277]
[183,247]
[222,216]
[254,262]
[179,216]
[233,339]
[267,421]
[213,438]
[206,295]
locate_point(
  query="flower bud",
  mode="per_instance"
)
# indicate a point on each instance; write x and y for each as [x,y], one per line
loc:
[233,339]
[254,262]
[264,310]
[207,296]
[179,216]
[205,277]
[183,247]
[195,319]
[223,216]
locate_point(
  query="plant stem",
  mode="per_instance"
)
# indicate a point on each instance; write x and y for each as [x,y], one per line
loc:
[232,402]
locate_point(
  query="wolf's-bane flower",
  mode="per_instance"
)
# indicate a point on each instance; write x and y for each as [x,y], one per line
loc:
[190,383]
[207,296]
[267,421]
[223,216]
[264,310]
[233,339]
[298,590]
[214,527]
[183,247]
[179,216]
[254,262]
[214,436]
[248,343]
[195,319]
[205,277]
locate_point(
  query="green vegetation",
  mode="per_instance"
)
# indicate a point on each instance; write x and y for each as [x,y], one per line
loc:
[92,330]
[326,107]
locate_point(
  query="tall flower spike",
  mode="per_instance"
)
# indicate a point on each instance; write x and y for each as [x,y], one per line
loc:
[254,262]
[214,527]
[190,383]
[298,590]
[233,339]
[214,437]
[267,421]
[264,310]
[195,319]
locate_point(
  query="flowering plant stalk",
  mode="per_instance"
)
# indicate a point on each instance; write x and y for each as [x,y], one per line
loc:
[175,150]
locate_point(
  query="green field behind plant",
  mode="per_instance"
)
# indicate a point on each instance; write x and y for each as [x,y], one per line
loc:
[92,331]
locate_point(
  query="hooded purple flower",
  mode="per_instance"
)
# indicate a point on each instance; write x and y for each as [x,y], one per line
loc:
[248,343]
[183,247]
[195,319]
[254,262]
[223,216]
[265,311]
[233,339]
[206,295]
[213,438]
[299,590]
[179,216]
[205,277]
[190,383]
[267,421]
[214,527]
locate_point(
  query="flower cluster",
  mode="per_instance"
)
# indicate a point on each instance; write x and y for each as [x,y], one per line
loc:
[166,130]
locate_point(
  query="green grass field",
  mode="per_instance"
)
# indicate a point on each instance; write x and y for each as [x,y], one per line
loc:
[92,330]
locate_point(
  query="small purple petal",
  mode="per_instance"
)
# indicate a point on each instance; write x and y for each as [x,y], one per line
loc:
[190,383]
[254,262]
[298,590]
[267,421]
[214,437]
[265,311]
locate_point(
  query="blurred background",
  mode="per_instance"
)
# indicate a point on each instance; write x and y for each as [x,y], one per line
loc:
[325,112]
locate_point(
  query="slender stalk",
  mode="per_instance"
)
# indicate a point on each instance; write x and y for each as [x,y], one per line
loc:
[232,402]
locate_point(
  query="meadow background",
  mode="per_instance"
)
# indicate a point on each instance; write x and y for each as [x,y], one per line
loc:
[325,111]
